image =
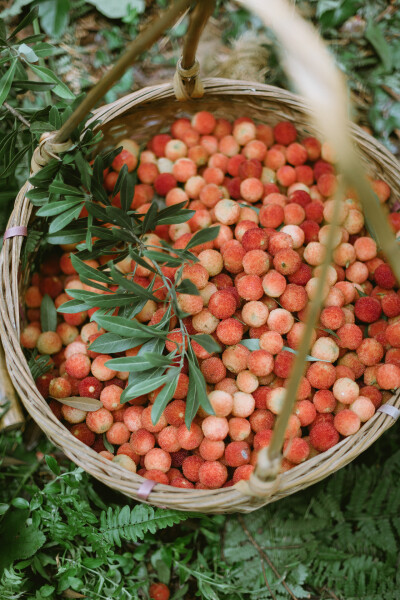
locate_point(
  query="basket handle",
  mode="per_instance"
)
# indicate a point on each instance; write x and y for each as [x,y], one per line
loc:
[187,83]
[142,42]
[313,71]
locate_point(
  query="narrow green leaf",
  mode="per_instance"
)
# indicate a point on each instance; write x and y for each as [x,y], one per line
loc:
[131,286]
[163,259]
[202,236]
[192,403]
[150,219]
[121,327]
[88,271]
[59,187]
[130,364]
[186,286]
[30,17]
[73,306]
[68,236]
[144,383]
[201,390]
[374,35]
[163,397]
[207,342]
[107,444]
[308,357]
[48,314]
[60,89]
[53,464]
[64,219]
[54,117]
[109,343]
[127,191]
[55,208]
[251,344]
[6,80]
[33,86]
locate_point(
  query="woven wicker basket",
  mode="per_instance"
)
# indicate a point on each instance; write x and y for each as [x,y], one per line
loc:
[141,115]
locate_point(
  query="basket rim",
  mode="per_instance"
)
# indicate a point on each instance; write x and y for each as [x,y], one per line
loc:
[230,497]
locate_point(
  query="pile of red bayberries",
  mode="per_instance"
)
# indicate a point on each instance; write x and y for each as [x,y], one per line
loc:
[271,194]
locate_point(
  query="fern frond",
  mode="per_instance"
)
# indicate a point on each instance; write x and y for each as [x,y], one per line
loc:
[117,524]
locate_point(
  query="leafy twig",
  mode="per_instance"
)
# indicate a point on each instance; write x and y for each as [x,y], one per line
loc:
[266,580]
[265,556]
[16,114]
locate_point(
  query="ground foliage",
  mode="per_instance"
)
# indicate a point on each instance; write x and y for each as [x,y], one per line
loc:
[66,534]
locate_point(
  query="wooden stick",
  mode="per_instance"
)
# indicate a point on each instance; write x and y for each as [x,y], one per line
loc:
[198,20]
[14,416]
[144,40]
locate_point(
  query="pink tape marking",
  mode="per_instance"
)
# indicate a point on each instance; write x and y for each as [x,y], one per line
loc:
[13,231]
[390,410]
[146,488]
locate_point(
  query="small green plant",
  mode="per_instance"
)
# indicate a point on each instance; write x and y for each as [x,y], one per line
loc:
[67,535]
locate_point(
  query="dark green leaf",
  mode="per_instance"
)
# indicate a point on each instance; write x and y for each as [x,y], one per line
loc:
[202,236]
[68,236]
[53,464]
[192,402]
[130,363]
[46,174]
[135,256]
[121,177]
[109,343]
[15,161]
[34,86]
[163,259]
[6,80]
[172,215]
[150,219]
[251,344]
[54,16]
[207,342]
[107,444]
[121,327]
[89,272]
[30,17]
[54,117]
[127,191]
[201,390]
[163,397]
[55,208]
[59,187]
[22,541]
[73,306]
[131,286]
[374,35]
[186,286]
[20,503]
[48,314]
[145,385]
[60,89]
[64,219]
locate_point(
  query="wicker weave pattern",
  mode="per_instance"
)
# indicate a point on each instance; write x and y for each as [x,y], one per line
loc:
[141,115]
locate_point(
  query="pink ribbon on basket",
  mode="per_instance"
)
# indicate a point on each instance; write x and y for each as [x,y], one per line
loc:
[13,231]
[390,410]
[146,488]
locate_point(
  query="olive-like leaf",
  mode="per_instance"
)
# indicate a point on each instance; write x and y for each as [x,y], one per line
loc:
[81,402]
